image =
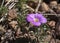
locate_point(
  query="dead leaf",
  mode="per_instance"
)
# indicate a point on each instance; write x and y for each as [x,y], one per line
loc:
[45,7]
[12,14]
[2,28]
[52,23]
[13,23]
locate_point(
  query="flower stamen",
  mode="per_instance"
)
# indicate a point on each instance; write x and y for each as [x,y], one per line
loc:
[36,20]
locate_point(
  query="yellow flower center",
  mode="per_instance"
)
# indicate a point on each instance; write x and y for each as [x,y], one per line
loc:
[36,20]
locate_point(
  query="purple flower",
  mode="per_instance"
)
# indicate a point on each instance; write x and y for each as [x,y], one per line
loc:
[36,19]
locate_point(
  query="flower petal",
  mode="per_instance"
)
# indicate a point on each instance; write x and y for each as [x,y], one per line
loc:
[43,20]
[38,15]
[31,15]
[29,19]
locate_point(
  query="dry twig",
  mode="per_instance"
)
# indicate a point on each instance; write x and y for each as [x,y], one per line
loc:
[38,6]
